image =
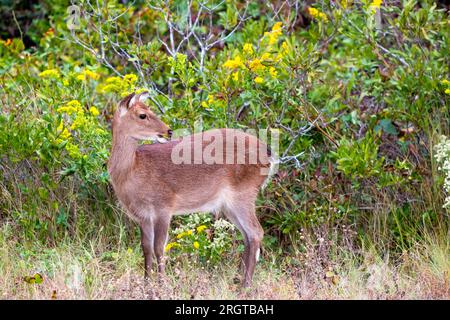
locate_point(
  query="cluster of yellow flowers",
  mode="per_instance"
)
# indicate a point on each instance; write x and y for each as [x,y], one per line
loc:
[63,133]
[376,4]
[183,234]
[255,65]
[446,83]
[73,150]
[71,107]
[82,76]
[210,101]
[316,14]
[87,74]
[118,85]
[94,111]
[248,61]
[275,33]
[74,108]
[248,49]
[49,73]
[171,245]
[234,63]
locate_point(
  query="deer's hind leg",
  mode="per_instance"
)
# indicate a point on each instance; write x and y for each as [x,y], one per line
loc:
[242,213]
[162,223]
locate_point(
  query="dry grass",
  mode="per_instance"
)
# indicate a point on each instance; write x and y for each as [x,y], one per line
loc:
[89,271]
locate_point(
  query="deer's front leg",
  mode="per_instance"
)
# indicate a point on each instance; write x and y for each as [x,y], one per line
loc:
[147,241]
[162,224]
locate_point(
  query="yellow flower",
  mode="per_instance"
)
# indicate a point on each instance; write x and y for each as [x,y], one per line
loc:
[118,85]
[234,63]
[87,74]
[196,245]
[183,234]
[316,14]
[235,76]
[313,12]
[447,91]
[210,101]
[63,133]
[376,3]
[445,82]
[201,228]
[266,56]
[273,72]
[73,106]
[285,47]
[256,65]
[73,150]
[277,27]
[171,245]
[114,80]
[94,111]
[248,48]
[131,78]
[259,80]
[65,82]
[276,31]
[49,73]
[79,122]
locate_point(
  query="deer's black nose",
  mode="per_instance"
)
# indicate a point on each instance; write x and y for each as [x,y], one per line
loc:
[169,132]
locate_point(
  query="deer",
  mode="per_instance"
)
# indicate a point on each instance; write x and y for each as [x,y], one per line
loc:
[152,188]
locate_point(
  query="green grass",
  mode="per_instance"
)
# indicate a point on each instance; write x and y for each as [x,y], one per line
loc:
[92,270]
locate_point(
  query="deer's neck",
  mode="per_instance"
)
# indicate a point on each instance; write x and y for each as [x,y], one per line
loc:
[122,158]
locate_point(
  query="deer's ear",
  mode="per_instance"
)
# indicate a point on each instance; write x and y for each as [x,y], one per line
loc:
[141,97]
[125,104]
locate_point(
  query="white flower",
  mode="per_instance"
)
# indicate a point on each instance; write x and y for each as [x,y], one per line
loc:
[442,157]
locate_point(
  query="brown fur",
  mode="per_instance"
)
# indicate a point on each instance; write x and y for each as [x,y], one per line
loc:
[152,188]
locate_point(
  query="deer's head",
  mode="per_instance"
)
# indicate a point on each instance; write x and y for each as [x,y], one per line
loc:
[134,119]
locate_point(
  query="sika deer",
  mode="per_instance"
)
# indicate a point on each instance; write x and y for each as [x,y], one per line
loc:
[152,186]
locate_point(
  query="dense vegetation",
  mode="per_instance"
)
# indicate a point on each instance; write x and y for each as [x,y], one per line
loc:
[359,91]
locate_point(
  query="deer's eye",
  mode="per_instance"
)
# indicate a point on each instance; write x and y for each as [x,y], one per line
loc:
[143,116]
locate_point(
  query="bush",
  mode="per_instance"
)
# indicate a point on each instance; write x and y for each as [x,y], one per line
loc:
[358,90]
